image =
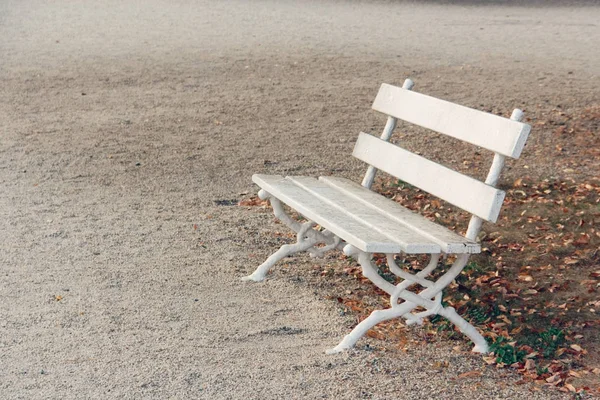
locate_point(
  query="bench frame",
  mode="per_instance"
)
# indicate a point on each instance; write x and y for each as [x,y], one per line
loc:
[403,301]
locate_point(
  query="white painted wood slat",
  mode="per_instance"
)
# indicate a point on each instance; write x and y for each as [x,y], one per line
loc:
[324,214]
[450,242]
[489,131]
[464,192]
[410,241]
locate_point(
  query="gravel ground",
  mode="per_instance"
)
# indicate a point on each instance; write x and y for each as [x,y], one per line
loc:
[129,131]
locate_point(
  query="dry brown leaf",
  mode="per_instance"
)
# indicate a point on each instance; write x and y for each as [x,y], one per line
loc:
[375,335]
[571,388]
[529,364]
[469,374]
[525,278]
[577,348]
[518,182]
[253,201]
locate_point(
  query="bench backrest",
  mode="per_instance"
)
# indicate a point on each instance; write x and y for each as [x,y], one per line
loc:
[492,132]
[505,137]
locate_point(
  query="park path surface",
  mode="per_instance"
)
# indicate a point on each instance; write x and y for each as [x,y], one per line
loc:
[130,130]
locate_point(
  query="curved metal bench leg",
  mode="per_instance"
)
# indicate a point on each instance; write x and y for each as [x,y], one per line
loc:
[466,328]
[306,237]
[411,301]
[302,244]
[376,317]
[368,269]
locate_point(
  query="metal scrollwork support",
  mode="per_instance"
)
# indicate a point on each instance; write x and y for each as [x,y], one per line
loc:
[306,240]
[403,301]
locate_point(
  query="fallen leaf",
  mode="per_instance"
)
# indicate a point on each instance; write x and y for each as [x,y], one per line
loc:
[253,201]
[469,374]
[518,182]
[576,347]
[492,360]
[525,278]
[375,335]
[571,388]
[529,364]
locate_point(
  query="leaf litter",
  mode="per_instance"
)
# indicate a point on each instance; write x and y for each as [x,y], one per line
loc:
[533,290]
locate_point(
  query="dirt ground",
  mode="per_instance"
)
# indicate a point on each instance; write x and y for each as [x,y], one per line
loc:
[129,132]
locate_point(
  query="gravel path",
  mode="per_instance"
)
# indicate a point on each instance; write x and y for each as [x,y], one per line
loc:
[129,131]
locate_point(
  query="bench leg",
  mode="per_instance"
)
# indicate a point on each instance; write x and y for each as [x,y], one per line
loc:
[466,328]
[302,244]
[411,300]
[307,238]
[361,329]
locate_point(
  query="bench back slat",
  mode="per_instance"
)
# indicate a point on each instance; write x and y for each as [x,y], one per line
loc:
[498,134]
[464,192]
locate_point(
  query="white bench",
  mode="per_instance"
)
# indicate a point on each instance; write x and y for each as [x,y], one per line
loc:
[362,222]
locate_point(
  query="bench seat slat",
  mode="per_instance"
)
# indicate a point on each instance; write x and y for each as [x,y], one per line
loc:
[464,192]
[365,219]
[326,215]
[410,241]
[449,241]
[489,131]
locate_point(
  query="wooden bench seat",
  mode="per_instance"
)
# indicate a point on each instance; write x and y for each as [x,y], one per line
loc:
[371,222]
